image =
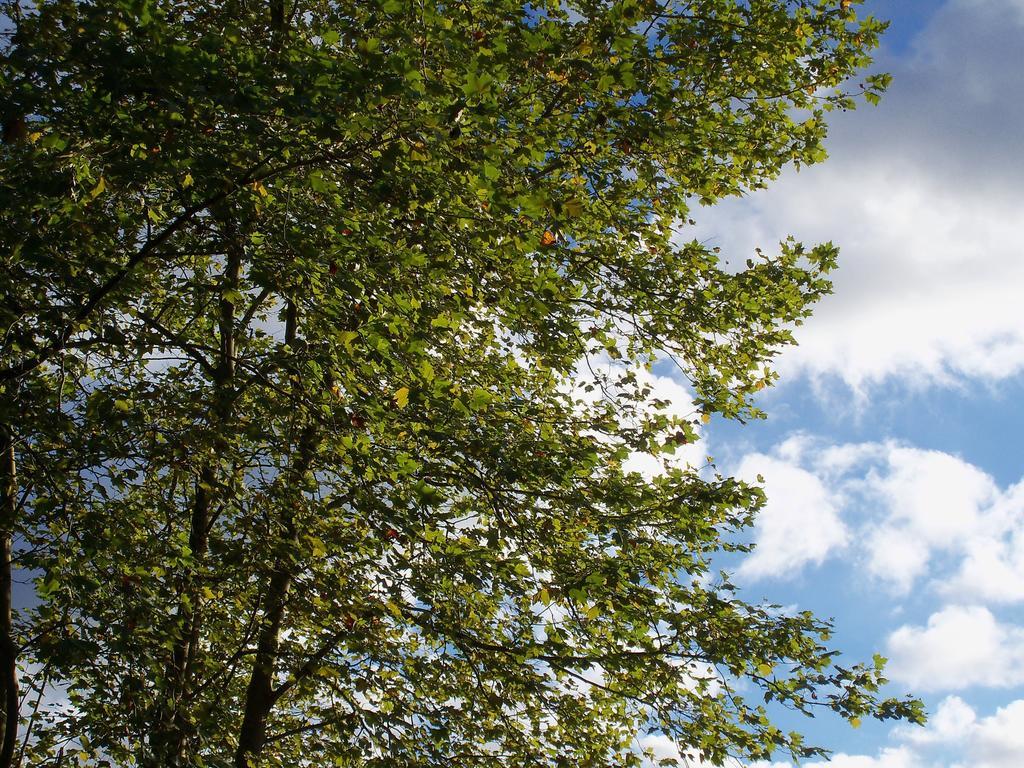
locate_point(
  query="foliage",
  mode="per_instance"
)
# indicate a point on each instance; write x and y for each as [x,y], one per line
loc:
[296,301]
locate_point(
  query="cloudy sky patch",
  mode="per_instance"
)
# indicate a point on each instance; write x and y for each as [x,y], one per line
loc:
[923,195]
[891,456]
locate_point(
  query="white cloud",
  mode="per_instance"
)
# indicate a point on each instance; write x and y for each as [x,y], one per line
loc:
[929,278]
[681,406]
[999,739]
[933,501]
[800,523]
[993,567]
[996,741]
[952,722]
[961,646]
[897,556]
[924,195]
[893,508]
[892,757]
[899,757]
[600,378]
[955,737]
[936,495]
[660,745]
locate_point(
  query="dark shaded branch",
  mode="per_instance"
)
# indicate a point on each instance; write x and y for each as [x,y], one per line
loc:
[310,666]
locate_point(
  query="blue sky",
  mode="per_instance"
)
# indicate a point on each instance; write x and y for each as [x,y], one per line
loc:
[892,451]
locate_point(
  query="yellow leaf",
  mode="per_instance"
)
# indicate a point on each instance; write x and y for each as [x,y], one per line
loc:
[98,189]
[187,181]
[402,397]
[705,417]
[548,238]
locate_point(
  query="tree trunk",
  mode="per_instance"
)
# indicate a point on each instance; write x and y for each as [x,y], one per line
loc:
[260,696]
[277,24]
[170,735]
[8,649]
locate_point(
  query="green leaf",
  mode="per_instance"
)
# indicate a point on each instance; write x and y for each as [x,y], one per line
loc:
[426,370]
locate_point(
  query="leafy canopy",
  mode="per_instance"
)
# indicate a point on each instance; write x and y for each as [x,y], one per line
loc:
[326,330]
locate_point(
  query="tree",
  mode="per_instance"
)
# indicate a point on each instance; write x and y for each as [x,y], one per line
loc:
[299,453]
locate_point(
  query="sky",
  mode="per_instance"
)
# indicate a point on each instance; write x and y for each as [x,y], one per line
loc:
[892,451]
